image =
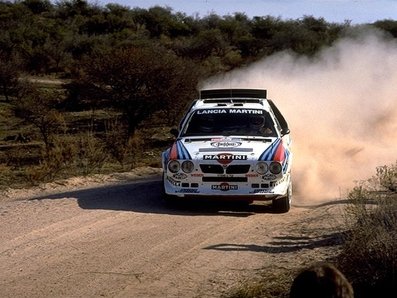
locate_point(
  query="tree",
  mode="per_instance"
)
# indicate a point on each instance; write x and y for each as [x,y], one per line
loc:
[161,21]
[206,43]
[8,75]
[38,107]
[387,25]
[137,81]
[38,6]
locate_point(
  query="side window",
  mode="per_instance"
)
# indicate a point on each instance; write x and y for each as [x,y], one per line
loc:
[283,125]
[181,123]
[276,124]
[261,125]
[271,126]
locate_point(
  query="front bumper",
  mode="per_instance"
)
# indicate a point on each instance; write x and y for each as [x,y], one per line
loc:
[250,186]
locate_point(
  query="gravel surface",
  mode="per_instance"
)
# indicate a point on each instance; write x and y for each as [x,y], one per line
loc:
[113,236]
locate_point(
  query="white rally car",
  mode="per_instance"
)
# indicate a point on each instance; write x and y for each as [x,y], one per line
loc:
[234,144]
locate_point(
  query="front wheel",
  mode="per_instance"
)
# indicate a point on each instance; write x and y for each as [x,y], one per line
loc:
[168,199]
[283,204]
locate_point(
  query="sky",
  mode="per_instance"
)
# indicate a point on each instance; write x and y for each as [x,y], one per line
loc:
[335,11]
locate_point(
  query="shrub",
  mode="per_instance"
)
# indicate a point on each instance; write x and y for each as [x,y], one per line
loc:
[369,255]
[91,155]
[69,156]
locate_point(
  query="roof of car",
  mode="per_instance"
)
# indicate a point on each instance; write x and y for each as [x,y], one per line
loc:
[231,98]
[233,93]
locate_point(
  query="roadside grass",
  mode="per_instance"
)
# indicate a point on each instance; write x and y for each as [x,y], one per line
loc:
[369,254]
[269,284]
[90,143]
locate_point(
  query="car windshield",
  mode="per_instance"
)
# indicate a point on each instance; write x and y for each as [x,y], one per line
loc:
[245,122]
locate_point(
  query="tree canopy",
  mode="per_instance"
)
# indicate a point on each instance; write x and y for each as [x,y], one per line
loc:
[53,37]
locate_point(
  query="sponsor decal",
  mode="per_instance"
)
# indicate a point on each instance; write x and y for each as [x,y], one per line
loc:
[225,144]
[188,190]
[269,177]
[213,111]
[245,111]
[230,111]
[224,158]
[224,187]
[173,182]
[197,175]
[282,180]
[262,191]
[223,139]
[179,176]
[251,175]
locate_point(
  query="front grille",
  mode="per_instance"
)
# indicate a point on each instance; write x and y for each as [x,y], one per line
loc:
[218,169]
[224,179]
[237,169]
[211,169]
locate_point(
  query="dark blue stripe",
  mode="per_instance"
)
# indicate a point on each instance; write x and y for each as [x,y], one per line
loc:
[268,154]
[182,151]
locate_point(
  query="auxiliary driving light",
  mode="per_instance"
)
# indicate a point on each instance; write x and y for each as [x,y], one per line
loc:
[174,166]
[275,167]
[187,166]
[261,168]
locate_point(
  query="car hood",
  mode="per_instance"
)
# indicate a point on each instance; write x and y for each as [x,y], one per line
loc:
[228,149]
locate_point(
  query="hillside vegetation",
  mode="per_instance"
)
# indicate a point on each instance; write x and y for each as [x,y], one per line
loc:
[88,88]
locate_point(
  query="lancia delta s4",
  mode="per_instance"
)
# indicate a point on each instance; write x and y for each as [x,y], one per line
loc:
[232,144]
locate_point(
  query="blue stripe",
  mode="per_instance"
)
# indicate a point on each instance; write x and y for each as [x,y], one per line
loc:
[268,154]
[166,158]
[182,151]
[285,165]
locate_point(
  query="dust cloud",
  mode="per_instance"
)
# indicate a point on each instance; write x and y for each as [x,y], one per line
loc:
[341,107]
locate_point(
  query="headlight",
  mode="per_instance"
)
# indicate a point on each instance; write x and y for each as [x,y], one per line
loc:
[275,168]
[261,168]
[187,166]
[174,166]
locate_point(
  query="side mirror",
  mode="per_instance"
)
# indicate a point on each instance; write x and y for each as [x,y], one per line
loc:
[174,132]
[285,131]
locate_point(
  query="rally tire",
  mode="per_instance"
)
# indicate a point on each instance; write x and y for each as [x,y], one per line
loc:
[283,204]
[168,199]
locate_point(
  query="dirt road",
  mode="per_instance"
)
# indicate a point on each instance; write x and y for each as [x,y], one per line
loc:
[121,240]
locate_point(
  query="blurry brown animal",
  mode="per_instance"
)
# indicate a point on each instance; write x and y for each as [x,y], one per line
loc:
[322,280]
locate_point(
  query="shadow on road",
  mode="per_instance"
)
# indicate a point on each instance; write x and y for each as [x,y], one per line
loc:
[145,196]
[285,244]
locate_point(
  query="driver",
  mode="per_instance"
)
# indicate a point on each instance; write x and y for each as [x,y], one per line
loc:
[258,126]
[206,123]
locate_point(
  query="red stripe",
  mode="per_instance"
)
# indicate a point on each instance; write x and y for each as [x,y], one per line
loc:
[174,152]
[280,153]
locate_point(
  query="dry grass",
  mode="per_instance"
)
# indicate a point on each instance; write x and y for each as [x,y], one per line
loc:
[369,254]
[90,144]
[269,285]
